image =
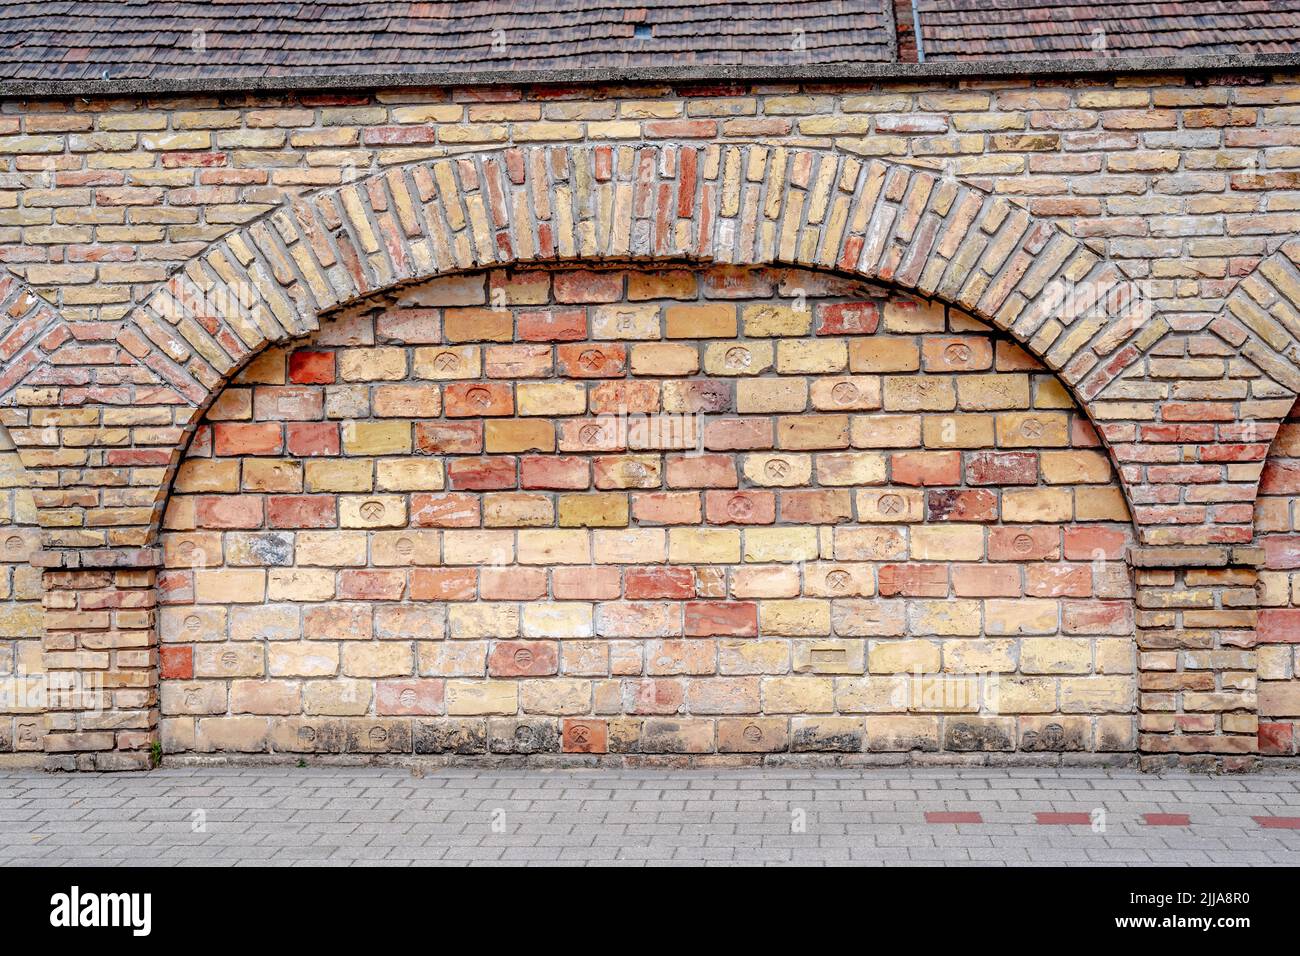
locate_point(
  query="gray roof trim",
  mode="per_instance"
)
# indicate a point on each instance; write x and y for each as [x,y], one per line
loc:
[830,73]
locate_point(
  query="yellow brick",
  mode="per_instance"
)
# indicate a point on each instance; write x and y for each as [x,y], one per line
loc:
[948,542]
[377,438]
[766,395]
[664,358]
[703,546]
[768,320]
[990,392]
[1021,616]
[1075,467]
[409,474]
[551,398]
[554,547]
[780,544]
[372,364]
[714,320]
[794,618]
[372,511]
[1037,504]
[811,356]
[593,511]
[932,393]
[339,474]
[898,657]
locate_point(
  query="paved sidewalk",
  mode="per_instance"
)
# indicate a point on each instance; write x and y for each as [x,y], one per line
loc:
[348,815]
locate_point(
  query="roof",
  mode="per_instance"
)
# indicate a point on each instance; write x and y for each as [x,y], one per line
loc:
[140,39]
[132,45]
[979,29]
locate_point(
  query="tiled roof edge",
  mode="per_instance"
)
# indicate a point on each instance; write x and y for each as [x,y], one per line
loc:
[944,69]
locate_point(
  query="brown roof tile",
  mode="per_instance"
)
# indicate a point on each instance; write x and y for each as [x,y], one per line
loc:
[981,29]
[142,39]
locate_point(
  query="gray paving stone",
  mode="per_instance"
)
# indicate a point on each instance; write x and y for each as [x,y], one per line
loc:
[462,816]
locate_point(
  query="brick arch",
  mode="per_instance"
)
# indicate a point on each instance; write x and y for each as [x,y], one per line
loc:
[271,280]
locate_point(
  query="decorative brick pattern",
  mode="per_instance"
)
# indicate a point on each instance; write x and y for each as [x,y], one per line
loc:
[1277,522]
[732,511]
[1132,237]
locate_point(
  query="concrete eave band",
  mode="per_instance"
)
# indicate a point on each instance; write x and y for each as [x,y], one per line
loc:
[833,73]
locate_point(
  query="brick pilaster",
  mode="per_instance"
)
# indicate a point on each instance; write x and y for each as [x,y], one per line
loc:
[101,658]
[1196,615]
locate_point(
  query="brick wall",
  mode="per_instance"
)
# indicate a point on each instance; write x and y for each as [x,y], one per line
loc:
[134,228]
[1277,521]
[22,725]
[1188,181]
[732,510]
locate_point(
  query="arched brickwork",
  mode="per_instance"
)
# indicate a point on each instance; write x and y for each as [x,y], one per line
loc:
[121,410]
[642,512]
[271,280]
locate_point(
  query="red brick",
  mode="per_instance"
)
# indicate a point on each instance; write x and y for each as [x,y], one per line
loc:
[1063,819]
[478,399]
[583,735]
[554,472]
[702,471]
[444,584]
[847,318]
[721,619]
[586,584]
[815,506]
[1058,580]
[1167,819]
[1279,625]
[359,584]
[312,439]
[591,360]
[740,507]
[1274,739]
[228,511]
[985,580]
[445,511]
[738,434]
[1002,468]
[926,467]
[409,698]
[524,659]
[301,511]
[579,285]
[553,325]
[449,438]
[482,474]
[670,583]
[953,505]
[1025,543]
[512,584]
[176,663]
[913,580]
[1087,543]
[239,438]
[310,367]
[672,507]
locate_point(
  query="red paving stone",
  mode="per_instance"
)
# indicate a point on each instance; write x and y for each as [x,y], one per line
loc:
[951,816]
[1063,819]
[1167,819]
[1278,823]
